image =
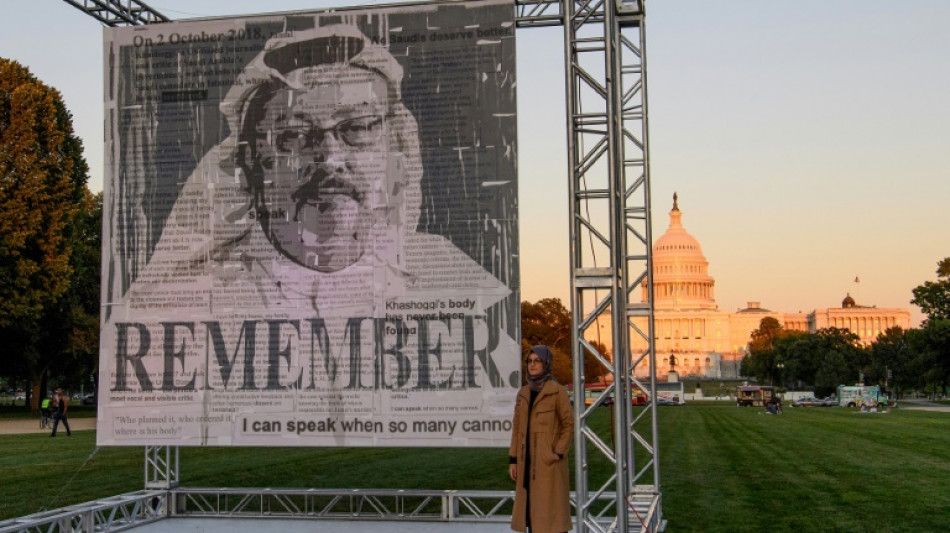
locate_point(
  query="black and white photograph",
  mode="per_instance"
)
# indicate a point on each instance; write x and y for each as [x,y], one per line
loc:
[311,229]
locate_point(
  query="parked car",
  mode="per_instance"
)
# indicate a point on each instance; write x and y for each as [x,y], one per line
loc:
[608,401]
[660,400]
[811,401]
[89,399]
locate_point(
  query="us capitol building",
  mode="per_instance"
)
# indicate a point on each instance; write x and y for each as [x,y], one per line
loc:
[695,338]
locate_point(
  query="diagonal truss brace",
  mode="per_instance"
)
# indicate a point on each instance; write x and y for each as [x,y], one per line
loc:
[119,12]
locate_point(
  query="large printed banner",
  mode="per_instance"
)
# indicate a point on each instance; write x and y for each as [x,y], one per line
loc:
[310,230]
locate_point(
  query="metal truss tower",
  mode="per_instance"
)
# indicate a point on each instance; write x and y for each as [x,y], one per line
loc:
[161,462]
[610,245]
[611,252]
[161,467]
[119,12]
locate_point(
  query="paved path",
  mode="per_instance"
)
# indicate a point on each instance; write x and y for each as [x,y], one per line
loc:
[13,426]
[923,405]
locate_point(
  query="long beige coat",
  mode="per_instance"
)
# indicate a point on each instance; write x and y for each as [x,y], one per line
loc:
[552,431]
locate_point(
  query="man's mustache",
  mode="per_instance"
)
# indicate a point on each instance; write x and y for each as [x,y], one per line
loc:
[321,188]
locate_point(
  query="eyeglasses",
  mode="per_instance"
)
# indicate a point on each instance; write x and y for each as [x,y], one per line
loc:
[531,360]
[360,132]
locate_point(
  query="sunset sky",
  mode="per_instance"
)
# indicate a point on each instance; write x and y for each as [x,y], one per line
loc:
[808,140]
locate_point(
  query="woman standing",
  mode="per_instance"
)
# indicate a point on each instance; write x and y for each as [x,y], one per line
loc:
[541,435]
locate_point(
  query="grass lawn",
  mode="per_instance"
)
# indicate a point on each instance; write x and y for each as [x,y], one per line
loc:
[724,469]
[807,470]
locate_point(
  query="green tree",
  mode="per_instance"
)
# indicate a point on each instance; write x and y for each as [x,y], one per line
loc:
[931,345]
[764,337]
[840,359]
[548,322]
[833,370]
[72,325]
[42,187]
[796,351]
[756,365]
[891,361]
[824,360]
[593,369]
[933,297]
[943,268]
[761,361]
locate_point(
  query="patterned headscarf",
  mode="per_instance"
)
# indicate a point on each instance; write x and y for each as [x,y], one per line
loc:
[543,353]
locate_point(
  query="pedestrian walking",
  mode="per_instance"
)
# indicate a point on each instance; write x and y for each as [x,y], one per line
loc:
[62,405]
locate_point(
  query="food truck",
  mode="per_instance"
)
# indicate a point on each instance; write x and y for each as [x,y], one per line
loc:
[858,395]
[753,395]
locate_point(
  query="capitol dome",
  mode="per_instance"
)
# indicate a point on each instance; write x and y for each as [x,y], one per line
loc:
[848,302]
[681,277]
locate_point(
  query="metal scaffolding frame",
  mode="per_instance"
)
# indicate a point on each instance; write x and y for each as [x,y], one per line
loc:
[611,247]
[117,513]
[611,256]
[127,511]
[161,467]
[119,12]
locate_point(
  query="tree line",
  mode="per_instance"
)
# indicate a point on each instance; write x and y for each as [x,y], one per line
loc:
[50,242]
[900,360]
[50,234]
[548,322]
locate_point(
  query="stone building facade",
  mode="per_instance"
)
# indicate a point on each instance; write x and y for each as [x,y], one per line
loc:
[695,338]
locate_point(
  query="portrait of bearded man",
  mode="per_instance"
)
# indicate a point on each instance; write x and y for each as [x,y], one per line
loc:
[310,206]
